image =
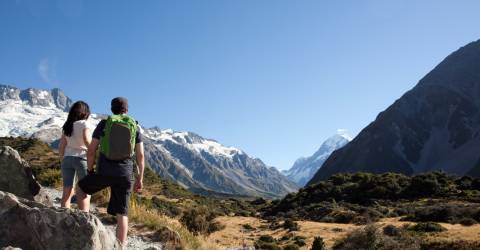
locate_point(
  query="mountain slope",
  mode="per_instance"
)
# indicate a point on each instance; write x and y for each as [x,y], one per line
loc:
[200,164]
[433,126]
[304,168]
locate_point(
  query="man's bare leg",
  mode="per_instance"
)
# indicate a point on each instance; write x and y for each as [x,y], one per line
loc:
[122,228]
[83,201]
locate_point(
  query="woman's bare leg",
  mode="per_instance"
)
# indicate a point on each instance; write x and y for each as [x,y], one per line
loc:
[66,196]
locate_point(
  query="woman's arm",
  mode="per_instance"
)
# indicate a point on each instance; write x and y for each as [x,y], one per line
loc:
[91,153]
[61,146]
[87,136]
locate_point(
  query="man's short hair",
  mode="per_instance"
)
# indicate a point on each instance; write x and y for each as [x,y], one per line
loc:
[119,105]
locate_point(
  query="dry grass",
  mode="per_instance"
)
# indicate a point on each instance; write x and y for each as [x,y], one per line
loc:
[454,231]
[155,221]
[234,233]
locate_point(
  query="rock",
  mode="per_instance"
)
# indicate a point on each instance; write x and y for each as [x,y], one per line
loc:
[31,225]
[61,100]
[16,177]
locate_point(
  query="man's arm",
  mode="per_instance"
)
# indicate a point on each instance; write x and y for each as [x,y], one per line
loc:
[140,166]
[92,153]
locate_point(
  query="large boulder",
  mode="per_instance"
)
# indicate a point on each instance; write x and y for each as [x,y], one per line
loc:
[30,225]
[17,178]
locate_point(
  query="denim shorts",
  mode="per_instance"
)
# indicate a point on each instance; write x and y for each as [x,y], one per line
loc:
[72,165]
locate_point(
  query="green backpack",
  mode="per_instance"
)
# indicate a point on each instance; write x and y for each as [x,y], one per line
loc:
[118,140]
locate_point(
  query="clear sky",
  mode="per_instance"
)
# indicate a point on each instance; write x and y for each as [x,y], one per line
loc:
[274,78]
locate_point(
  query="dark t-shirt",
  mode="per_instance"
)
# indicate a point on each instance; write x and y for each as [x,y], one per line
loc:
[113,168]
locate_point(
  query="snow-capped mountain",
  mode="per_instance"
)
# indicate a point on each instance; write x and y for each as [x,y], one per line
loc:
[200,164]
[304,168]
[434,126]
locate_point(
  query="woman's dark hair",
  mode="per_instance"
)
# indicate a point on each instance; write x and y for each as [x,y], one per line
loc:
[78,111]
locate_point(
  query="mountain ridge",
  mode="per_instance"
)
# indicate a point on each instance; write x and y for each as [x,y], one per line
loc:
[202,165]
[433,126]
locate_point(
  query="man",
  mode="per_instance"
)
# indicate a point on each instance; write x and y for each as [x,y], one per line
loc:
[118,139]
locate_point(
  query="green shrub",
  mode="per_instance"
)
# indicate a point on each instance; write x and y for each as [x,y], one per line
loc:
[200,220]
[468,222]
[427,227]
[291,225]
[50,177]
[369,237]
[266,246]
[391,230]
[266,242]
[450,245]
[248,227]
[299,240]
[266,238]
[448,213]
[166,207]
[318,244]
[291,247]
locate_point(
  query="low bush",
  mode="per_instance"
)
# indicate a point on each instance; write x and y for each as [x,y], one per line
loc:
[266,246]
[468,222]
[447,213]
[427,227]
[318,244]
[291,225]
[266,242]
[291,247]
[200,221]
[370,237]
[248,227]
[50,177]
[299,240]
[451,245]
[266,238]
[156,221]
[391,230]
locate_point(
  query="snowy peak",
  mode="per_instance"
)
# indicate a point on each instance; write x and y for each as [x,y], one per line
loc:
[305,167]
[192,141]
[336,141]
[36,97]
[200,164]
[9,93]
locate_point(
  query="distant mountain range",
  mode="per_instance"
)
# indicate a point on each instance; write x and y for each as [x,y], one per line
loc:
[434,126]
[305,168]
[200,164]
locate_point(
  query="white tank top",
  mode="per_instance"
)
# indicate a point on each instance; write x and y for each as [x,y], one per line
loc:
[75,143]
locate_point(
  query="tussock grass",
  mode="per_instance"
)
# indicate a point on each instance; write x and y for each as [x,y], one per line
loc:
[138,213]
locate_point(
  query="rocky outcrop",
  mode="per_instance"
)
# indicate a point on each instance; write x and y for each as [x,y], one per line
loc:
[30,225]
[16,177]
[62,101]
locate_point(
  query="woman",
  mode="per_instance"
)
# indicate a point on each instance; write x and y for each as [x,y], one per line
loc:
[73,152]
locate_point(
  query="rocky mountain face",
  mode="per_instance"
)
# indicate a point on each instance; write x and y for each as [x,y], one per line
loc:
[304,168]
[200,164]
[36,97]
[434,126]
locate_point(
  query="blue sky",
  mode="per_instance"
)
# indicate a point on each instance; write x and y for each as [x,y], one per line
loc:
[272,77]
